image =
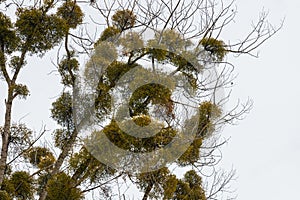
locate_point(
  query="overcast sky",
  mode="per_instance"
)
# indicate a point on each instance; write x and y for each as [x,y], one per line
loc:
[265,147]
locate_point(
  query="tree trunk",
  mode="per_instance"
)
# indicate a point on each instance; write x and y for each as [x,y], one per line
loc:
[8,109]
[5,137]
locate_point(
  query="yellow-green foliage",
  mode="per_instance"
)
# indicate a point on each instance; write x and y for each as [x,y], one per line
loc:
[14,62]
[155,179]
[142,120]
[23,184]
[65,67]
[41,182]
[108,80]
[215,47]
[61,137]
[182,191]
[83,164]
[172,40]
[156,51]
[38,30]
[109,34]
[189,188]
[132,41]
[105,53]
[167,45]
[192,154]
[124,19]
[20,90]
[192,178]
[48,4]
[208,113]
[61,186]
[187,62]
[128,142]
[4,195]
[8,187]
[40,157]
[62,110]
[71,13]
[195,185]
[169,186]
[115,71]
[166,186]
[171,47]
[144,74]
[153,93]
[8,38]
[104,71]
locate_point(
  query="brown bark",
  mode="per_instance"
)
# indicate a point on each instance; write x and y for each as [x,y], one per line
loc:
[5,136]
[8,109]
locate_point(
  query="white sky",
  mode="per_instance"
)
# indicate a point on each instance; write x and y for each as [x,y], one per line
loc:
[265,147]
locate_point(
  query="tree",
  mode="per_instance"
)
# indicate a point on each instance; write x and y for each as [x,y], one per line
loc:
[34,32]
[150,84]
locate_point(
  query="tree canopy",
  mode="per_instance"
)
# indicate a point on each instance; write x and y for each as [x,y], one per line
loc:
[142,98]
